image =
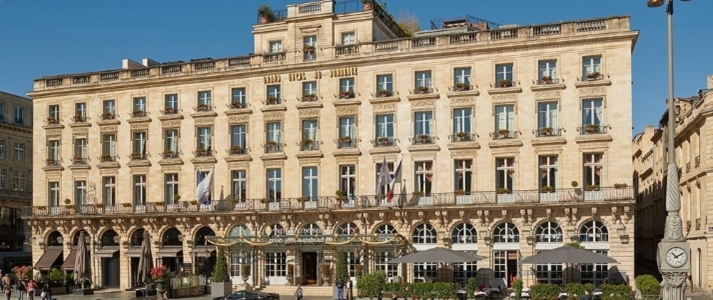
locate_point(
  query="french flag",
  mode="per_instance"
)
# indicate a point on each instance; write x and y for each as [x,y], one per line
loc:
[394,179]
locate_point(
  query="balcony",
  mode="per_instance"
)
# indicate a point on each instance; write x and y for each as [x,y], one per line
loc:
[346,143]
[168,154]
[138,156]
[462,137]
[592,129]
[273,147]
[108,116]
[138,114]
[169,111]
[423,139]
[273,58]
[78,160]
[79,119]
[309,98]
[548,132]
[385,142]
[309,145]
[107,158]
[504,134]
[457,200]
[200,152]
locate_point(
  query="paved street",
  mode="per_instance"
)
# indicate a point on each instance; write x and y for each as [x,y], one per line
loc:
[124,295]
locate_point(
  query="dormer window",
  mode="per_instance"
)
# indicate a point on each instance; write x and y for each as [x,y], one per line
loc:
[275,46]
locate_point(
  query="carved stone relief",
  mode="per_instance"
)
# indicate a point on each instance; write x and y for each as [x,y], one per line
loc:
[274,116]
[139,126]
[385,107]
[341,72]
[347,110]
[308,113]
[548,94]
[238,119]
[504,97]
[593,90]
[172,123]
[423,103]
[108,128]
[463,101]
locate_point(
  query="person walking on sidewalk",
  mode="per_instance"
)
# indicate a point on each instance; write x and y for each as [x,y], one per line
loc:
[20,290]
[7,289]
[340,288]
[31,287]
[298,292]
[349,289]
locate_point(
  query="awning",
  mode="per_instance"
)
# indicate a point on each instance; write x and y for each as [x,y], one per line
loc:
[48,258]
[68,264]
[133,252]
[168,252]
[203,251]
[106,252]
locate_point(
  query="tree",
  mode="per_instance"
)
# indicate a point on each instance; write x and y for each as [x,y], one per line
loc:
[408,23]
[342,271]
[576,245]
[220,274]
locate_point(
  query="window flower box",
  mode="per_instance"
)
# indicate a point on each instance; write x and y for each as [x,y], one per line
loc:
[346,95]
[384,93]
[592,128]
[504,133]
[462,86]
[202,107]
[236,105]
[271,100]
[51,120]
[546,80]
[308,48]
[502,191]
[505,83]
[423,90]
[593,76]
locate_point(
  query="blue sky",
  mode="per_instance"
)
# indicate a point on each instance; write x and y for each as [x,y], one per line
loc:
[50,37]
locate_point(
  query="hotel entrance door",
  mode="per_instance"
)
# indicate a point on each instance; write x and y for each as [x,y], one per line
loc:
[309,268]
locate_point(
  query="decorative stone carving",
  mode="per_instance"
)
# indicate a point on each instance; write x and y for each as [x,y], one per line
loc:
[548,94]
[171,168]
[342,72]
[276,162]
[274,116]
[297,76]
[462,101]
[309,113]
[673,229]
[385,107]
[272,79]
[238,119]
[80,131]
[423,103]
[504,97]
[107,129]
[317,74]
[140,170]
[204,121]
[54,132]
[139,126]
[674,280]
[172,123]
[593,90]
[347,110]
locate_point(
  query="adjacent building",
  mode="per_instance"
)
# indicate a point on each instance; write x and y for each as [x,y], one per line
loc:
[500,140]
[15,170]
[693,153]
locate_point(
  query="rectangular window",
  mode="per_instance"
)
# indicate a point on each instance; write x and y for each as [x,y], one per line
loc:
[53,150]
[53,194]
[273,95]
[139,107]
[381,257]
[3,179]
[503,75]
[20,151]
[2,112]
[385,129]
[347,132]
[548,173]
[348,38]
[20,115]
[461,78]
[385,85]
[464,271]
[21,183]
[237,260]
[238,138]
[390,167]
[346,88]
[505,121]
[547,119]
[310,129]
[275,264]
[424,177]
[108,109]
[592,115]
[422,81]
[239,185]
[80,192]
[171,194]
[423,127]
[238,98]
[109,146]
[425,272]
[595,273]
[205,135]
[310,185]
[275,46]
[463,175]
[547,71]
[80,112]
[504,175]
[2,148]
[309,91]
[593,168]
[462,124]
[352,262]
[274,184]
[170,139]
[347,180]
[204,101]
[109,191]
[170,104]
[592,67]
[139,145]
[309,48]
[139,190]
[548,273]
[53,115]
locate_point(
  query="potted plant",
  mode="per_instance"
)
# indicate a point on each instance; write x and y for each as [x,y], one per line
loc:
[308,97]
[264,201]
[462,86]
[68,202]
[106,157]
[167,153]
[592,187]
[459,192]
[159,203]
[620,185]
[51,120]
[135,155]
[503,191]
[77,160]
[302,199]
[341,195]
[346,95]
[169,110]
[346,139]
[78,118]
[503,133]
[107,116]
[384,93]
[326,272]
[236,104]
[547,189]
[126,205]
[307,142]
[245,273]
[591,128]
[176,197]
[367,4]
[423,89]
[383,140]
[266,14]
[463,135]
[202,107]
[505,83]
[271,100]
[138,113]
[99,205]
[417,193]
[593,76]
[574,184]
[193,202]
[546,131]
[546,79]
[423,137]
[308,48]
[221,285]
[201,151]
[51,161]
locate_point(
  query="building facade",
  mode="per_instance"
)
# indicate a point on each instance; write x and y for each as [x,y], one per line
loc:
[15,170]
[510,140]
[693,150]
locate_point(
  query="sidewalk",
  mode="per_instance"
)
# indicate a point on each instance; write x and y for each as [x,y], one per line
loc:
[130,295]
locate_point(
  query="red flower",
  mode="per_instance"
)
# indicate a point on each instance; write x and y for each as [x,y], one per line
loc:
[160,272]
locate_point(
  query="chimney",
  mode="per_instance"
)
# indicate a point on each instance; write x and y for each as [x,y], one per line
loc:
[480,26]
[128,64]
[147,62]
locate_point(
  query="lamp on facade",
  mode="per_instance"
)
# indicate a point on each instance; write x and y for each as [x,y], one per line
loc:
[530,240]
[117,239]
[488,241]
[60,240]
[621,231]
[180,238]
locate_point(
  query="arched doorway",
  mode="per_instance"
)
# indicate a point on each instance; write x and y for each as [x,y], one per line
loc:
[53,255]
[171,252]
[134,253]
[204,255]
[108,258]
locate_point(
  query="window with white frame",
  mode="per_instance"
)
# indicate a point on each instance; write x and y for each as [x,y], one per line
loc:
[594,273]
[547,71]
[139,145]
[204,100]
[80,192]
[547,114]
[171,188]
[425,272]
[385,84]
[109,190]
[424,177]
[593,231]
[381,256]
[139,106]
[505,174]
[348,38]
[593,168]
[390,167]
[205,135]
[548,173]
[353,260]
[463,175]
[274,184]
[273,94]
[592,67]
[170,141]
[53,115]
[2,148]
[21,180]
[461,78]
[171,103]
[424,233]
[385,127]
[548,273]
[80,150]
[310,229]
[275,264]
[109,108]
[346,88]
[237,260]
[3,179]
[347,228]
[20,151]
[506,233]
[239,186]
[548,232]
[347,131]
[238,98]
[310,183]
[592,112]
[19,115]
[309,91]
[347,180]
[139,190]
[310,129]
[275,46]
[53,194]
[238,138]
[504,75]
[505,118]
[464,271]
[109,146]
[422,81]
[274,137]
[464,233]
[80,112]
[53,150]
[462,123]
[310,46]
[423,126]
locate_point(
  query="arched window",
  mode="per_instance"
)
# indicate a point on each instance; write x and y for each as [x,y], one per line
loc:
[201,234]
[137,237]
[55,239]
[110,238]
[385,229]
[506,233]
[241,230]
[424,234]
[464,233]
[75,239]
[172,237]
[310,229]
[593,231]
[348,228]
[274,230]
[548,232]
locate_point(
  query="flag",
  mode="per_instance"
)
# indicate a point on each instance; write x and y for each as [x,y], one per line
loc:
[383,178]
[394,179]
[205,186]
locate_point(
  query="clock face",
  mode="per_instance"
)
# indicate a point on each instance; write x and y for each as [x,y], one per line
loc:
[676,257]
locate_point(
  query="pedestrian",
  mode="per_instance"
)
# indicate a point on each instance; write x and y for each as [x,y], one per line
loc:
[349,289]
[31,286]
[340,288]
[20,290]
[587,295]
[298,292]
[7,289]
[46,292]
[5,280]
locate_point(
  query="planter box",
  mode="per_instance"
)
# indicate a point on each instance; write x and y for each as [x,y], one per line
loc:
[83,292]
[220,289]
[58,290]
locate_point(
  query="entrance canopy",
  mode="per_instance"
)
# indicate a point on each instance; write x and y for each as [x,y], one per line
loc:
[437,255]
[568,255]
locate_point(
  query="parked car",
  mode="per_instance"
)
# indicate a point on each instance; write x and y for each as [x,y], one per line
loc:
[251,295]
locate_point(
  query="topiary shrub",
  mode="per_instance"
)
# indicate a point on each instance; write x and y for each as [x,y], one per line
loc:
[649,287]
[371,284]
[615,292]
[444,290]
[220,274]
[471,286]
[544,291]
[518,289]
[342,271]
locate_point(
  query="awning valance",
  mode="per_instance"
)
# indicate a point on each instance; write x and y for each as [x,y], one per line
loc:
[68,264]
[133,252]
[106,252]
[168,252]
[48,258]
[203,251]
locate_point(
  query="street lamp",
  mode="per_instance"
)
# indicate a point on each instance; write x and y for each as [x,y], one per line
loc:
[673,250]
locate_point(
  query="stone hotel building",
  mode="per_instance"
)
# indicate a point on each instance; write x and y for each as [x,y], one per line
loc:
[511,140]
